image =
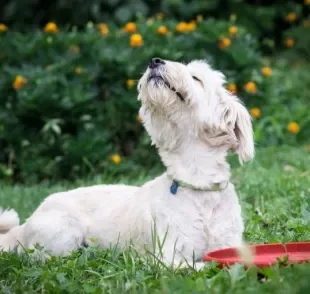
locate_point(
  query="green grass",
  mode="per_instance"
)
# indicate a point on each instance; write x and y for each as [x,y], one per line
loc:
[274,191]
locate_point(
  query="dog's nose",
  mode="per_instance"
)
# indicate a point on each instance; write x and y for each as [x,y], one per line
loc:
[156,62]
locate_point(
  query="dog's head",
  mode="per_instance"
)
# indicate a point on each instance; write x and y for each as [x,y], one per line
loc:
[189,102]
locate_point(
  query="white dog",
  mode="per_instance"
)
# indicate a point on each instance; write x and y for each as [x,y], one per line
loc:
[194,122]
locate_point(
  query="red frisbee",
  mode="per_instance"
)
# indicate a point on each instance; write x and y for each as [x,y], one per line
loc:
[264,254]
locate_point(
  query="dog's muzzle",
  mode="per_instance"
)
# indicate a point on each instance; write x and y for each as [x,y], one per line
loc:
[154,65]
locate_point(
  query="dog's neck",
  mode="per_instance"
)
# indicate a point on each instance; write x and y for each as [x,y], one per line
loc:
[196,164]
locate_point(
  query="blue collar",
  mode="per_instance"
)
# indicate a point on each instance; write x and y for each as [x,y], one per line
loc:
[176,184]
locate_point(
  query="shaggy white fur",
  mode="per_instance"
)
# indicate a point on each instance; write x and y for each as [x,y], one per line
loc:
[194,122]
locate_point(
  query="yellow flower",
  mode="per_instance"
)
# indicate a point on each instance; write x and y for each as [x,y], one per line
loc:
[191,26]
[130,83]
[250,87]
[74,49]
[103,29]
[199,18]
[130,27]
[136,40]
[291,17]
[255,112]
[78,70]
[232,88]
[116,159]
[224,43]
[19,82]
[160,15]
[266,71]
[233,30]
[181,27]
[307,2]
[162,30]
[293,127]
[289,42]
[306,23]
[50,27]
[138,118]
[3,27]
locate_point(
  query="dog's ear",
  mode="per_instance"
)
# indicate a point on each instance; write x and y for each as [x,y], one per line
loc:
[238,124]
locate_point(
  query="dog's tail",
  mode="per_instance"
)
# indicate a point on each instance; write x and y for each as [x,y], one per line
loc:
[246,253]
[9,229]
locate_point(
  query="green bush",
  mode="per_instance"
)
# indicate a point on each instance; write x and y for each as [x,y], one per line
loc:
[21,13]
[67,105]
[267,19]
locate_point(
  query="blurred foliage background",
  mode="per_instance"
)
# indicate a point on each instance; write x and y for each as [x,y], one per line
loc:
[68,73]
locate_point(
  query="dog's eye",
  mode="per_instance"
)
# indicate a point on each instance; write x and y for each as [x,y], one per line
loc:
[195,78]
